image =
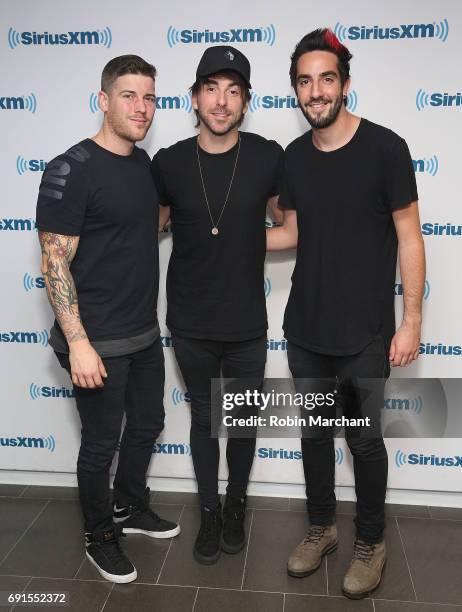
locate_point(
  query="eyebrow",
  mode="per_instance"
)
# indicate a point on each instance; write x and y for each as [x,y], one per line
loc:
[323,74]
[214,82]
[134,92]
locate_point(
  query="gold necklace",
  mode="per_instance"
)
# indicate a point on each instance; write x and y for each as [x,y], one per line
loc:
[215,231]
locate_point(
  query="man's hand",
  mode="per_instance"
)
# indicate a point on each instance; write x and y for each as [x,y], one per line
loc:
[87,368]
[404,347]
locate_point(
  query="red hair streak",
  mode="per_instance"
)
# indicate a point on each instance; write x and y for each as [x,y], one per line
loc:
[333,42]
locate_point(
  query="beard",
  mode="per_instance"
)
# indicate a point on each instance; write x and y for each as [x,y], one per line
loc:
[323,122]
[123,131]
[227,128]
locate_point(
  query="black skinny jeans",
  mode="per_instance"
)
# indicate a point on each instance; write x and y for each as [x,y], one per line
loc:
[370,460]
[134,386]
[199,362]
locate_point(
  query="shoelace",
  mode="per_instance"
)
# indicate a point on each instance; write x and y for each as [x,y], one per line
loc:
[112,548]
[209,526]
[314,535]
[363,552]
[147,510]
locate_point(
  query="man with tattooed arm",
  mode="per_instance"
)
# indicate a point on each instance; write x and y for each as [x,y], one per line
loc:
[97,216]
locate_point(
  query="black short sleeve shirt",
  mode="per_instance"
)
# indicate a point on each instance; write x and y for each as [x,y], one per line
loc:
[342,292]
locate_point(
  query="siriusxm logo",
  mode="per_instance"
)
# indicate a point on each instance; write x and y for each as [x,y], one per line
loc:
[276,345]
[450,350]
[34,165]
[267,286]
[283,102]
[413,30]
[399,289]
[424,99]
[47,443]
[95,37]
[408,404]
[233,35]
[29,282]
[426,460]
[441,229]
[28,103]
[280,453]
[428,165]
[180,102]
[17,225]
[266,102]
[178,397]
[36,391]
[25,337]
[171,449]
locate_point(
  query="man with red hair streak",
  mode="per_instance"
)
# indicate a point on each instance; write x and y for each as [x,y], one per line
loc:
[350,202]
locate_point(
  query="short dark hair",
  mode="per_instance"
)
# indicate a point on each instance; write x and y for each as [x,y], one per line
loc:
[201,81]
[125,64]
[322,39]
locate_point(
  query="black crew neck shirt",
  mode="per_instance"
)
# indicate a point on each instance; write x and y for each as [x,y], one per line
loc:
[110,202]
[342,293]
[215,284]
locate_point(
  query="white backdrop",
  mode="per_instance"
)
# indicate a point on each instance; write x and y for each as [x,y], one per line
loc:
[404,73]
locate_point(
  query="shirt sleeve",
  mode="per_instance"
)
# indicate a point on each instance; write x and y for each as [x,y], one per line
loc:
[159,179]
[278,172]
[63,197]
[401,186]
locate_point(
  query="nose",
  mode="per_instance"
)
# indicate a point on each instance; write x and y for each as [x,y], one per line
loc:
[140,105]
[315,89]
[221,98]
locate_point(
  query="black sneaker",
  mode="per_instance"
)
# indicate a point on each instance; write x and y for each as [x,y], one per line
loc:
[104,551]
[144,520]
[233,538]
[207,545]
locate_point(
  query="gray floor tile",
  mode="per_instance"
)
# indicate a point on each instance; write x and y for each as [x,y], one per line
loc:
[17,515]
[435,557]
[273,537]
[146,598]
[454,514]
[317,603]
[232,601]
[11,490]
[297,504]
[401,606]
[396,582]
[13,583]
[52,547]
[173,497]
[83,596]
[407,510]
[267,503]
[51,492]
[147,554]
[180,567]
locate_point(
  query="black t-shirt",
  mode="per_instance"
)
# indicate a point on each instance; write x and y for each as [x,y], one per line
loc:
[111,203]
[342,292]
[215,286]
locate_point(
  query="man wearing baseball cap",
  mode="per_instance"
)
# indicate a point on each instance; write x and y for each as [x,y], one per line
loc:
[215,188]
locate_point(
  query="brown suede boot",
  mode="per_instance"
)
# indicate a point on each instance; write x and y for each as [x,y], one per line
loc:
[365,571]
[306,558]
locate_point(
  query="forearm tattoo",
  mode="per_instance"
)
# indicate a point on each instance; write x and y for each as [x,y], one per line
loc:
[57,254]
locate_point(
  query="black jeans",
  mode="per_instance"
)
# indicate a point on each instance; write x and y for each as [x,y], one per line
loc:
[200,361]
[370,460]
[134,386]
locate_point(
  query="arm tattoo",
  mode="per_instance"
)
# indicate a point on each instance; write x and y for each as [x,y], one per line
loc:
[57,254]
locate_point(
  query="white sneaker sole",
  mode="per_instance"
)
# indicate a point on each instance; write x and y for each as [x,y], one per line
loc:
[113,577]
[154,534]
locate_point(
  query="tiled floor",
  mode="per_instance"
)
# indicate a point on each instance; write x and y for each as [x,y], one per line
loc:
[41,549]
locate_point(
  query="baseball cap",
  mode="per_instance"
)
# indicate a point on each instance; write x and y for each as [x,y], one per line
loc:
[222,57]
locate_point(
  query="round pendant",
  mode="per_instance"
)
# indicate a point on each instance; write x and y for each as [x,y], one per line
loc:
[214,231]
